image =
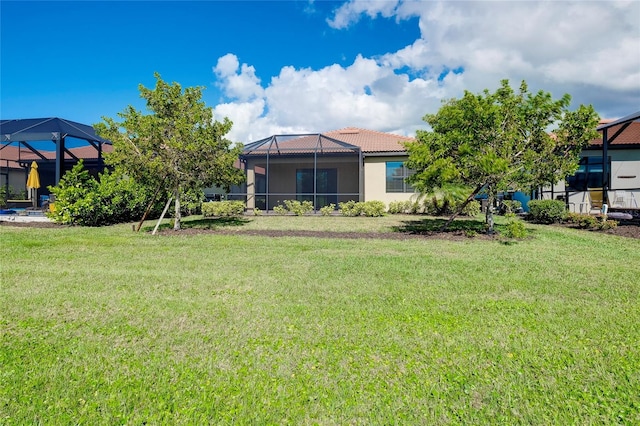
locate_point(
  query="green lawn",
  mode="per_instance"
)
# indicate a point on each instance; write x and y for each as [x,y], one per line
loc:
[106,326]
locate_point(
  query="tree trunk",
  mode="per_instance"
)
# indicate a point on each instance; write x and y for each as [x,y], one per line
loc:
[150,206]
[469,199]
[177,216]
[489,214]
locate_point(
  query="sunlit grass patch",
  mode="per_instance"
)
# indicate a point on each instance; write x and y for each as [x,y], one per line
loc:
[104,325]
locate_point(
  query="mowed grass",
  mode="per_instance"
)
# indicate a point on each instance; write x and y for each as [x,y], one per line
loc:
[106,326]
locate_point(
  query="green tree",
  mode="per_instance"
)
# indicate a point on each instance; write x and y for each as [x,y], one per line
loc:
[497,141]
[178,147]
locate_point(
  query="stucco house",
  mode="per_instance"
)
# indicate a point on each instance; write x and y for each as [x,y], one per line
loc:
[325,168]
[609,171]
[362,165]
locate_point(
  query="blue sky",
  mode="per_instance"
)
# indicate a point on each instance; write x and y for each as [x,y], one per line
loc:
[291,66]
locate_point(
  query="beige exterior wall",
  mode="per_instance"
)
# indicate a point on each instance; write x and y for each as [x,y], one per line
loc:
[375,181]
[625,178]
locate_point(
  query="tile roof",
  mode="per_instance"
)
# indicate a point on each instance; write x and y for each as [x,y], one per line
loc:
[11,154]
[370,141]
[342,140]
[629,136]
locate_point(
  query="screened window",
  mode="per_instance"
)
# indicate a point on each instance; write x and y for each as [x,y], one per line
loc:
[326,186]
[397,173]
[588,175]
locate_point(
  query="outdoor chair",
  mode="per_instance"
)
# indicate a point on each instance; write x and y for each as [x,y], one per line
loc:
[619,199]
[591,200]
[595,195]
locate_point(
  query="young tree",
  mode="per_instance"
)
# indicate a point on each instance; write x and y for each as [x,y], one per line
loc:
[178,146]
[497,141]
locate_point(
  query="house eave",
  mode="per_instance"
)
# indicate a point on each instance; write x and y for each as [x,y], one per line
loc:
[385,154]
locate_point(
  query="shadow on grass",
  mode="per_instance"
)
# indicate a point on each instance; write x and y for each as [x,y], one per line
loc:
[460,226]
[434,225]
[203,223]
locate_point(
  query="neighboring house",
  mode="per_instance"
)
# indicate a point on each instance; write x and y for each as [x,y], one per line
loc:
[15,163]
[55,144]
[615,182]
[327,168]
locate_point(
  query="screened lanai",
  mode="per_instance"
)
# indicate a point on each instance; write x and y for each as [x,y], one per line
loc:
[55,144]
[301,167]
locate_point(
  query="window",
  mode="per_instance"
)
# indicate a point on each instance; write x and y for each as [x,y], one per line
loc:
[326,186]
[588,175]
[397,173]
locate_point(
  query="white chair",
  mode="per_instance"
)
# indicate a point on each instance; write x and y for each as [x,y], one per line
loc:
[619,199]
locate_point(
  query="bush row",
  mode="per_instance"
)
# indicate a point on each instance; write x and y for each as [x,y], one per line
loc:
[222,208]
[362,208]
[587,221]
[434,206]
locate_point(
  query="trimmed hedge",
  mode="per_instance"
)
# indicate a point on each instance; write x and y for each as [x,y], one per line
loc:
[222,208]
[547,211]
[372,208]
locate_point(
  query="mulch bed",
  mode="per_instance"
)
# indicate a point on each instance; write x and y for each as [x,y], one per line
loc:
[623,230]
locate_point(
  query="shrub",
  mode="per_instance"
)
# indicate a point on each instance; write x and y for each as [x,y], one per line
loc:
[396,207]
[439,205]
[510,206]
[191,202]
[3,196]
[350,208]
[472,209]
[446,205]
[327,210]
[583,221]
[83,200]
[299,208]
[403,207]
[373,208]
[280,209]
[586,221]
[515,227]
[222,208]
[547,211]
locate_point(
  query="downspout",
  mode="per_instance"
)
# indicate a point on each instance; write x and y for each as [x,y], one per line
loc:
[361,175]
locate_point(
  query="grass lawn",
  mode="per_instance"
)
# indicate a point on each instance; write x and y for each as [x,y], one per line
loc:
[107,326]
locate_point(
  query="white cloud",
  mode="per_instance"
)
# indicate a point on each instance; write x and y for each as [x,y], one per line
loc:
[238,82]
[588,49]
[351,11]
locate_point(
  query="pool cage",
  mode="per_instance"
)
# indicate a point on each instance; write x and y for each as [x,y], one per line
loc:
[302,167]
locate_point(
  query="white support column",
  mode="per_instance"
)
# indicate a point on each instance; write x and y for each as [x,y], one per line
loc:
[251,187]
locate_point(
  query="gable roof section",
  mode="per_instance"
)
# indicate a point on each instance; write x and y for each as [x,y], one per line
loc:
[371,141]
[349,139]
[629,136]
